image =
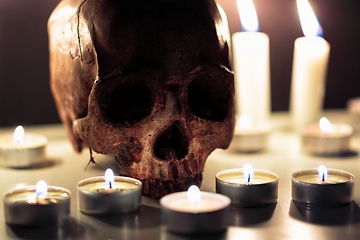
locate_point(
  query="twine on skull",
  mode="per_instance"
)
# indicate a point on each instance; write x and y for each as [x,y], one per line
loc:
[92,160]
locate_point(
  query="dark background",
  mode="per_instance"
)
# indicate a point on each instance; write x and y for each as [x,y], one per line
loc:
[25,96]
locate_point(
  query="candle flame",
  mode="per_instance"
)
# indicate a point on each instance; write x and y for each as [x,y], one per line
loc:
[248,172]
[19,134]
[308,20]
[109,177]
[248,16]
[193,195]
[325,125]
[245,122]
[322,173]
[41,189]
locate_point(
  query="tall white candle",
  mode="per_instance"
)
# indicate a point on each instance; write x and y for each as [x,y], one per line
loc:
[311,54]
[251,65]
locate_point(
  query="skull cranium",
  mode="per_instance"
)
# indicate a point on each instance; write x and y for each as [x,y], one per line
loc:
[145,81]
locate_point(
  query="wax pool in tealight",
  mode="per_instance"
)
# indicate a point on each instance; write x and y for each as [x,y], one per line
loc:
[247,187]
[323,178]
[260,178]
[109,185]
[246,175]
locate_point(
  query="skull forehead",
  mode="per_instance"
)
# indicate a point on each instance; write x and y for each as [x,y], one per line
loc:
[174,36]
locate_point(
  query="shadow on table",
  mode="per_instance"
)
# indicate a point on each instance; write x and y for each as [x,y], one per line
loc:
[250,216]
[347,214]
[234,151]
[237,217]
[145,217]
[69,229]
[346,154]
[47,163]
[167,235]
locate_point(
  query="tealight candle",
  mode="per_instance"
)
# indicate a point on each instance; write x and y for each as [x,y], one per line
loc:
[194,211]
[322,187]
[248,187]
[109,194]
[36,205]
[250,136]
[20,150]
[326,138]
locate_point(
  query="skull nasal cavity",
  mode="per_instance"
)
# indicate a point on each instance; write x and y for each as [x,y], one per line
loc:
[129,102]
[172,144]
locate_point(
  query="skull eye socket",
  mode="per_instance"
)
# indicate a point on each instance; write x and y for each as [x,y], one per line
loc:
[129,102]
[208,98]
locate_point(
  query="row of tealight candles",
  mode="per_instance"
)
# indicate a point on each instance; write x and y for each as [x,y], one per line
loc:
[244,187]
[197,211]
[323,138]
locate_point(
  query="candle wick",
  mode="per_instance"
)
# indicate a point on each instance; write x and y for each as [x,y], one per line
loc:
[110,185]
[38,198]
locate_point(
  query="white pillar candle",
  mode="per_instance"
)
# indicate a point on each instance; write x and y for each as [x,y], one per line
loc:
[251,65]
[311,54]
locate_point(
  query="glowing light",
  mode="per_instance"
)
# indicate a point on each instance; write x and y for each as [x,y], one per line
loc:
[248,172]
[109,177]
[41,189]
[193,195]
[309,23]
[19,134]
[245,122]
[322,173]
[248,16]
[325,125]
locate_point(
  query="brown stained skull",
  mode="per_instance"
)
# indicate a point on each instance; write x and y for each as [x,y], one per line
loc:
[145,81]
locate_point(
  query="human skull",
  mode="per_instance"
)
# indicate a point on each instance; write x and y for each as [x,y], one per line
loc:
[148,82]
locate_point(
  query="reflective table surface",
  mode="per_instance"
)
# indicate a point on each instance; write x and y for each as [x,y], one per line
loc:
[283,220]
